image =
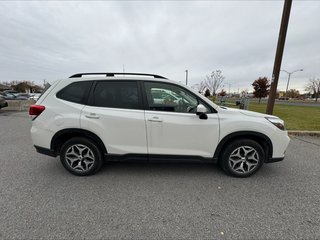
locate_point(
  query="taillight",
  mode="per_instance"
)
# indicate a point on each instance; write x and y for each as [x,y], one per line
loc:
[36,110]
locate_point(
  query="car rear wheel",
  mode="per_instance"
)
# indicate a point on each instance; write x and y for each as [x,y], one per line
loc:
[242,158]
[81,156]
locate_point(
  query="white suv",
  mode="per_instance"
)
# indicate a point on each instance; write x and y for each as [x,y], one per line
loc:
[87,120]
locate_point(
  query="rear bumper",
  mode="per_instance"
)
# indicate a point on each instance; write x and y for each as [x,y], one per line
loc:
[46,151]
[272,160]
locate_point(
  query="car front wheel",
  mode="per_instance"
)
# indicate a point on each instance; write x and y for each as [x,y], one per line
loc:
[242,158]
[81,156]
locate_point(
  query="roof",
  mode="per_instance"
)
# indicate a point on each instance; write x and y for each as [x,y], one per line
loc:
[113,74]
[116,76]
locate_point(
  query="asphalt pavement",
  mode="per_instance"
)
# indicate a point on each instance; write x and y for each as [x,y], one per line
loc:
[39,199]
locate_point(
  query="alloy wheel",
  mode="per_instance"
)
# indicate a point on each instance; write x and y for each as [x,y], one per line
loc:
[244,159]
[80,157]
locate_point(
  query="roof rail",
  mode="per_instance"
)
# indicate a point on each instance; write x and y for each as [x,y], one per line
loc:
[111,74]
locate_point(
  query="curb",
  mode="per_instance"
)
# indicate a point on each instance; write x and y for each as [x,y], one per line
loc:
[304,133]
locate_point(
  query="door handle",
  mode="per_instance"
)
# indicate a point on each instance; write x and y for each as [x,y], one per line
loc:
[92,115]
[155,119]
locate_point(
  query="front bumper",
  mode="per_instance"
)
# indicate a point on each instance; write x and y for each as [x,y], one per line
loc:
[46,151]
[272,160]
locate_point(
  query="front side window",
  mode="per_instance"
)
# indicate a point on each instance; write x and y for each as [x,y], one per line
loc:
[75,92]
[169,97]
[120,94]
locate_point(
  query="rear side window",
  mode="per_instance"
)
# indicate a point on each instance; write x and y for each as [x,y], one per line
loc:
[76,92]
[120,94]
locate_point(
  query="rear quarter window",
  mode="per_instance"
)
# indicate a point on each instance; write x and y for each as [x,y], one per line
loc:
[76,92]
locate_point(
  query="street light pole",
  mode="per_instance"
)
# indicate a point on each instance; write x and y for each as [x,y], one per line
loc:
[289,75]
[187,77]
[229,85]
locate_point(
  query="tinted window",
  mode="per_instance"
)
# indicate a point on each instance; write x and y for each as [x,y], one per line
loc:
[120,94]
[75,92]
[169,97]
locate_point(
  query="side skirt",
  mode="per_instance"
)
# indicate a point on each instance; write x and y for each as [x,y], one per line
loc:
[155,158]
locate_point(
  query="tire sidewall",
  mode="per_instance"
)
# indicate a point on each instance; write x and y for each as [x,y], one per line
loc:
[224,161]
[88,143]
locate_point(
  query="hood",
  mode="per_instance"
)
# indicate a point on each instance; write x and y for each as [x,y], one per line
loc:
[256,114]
[248,113]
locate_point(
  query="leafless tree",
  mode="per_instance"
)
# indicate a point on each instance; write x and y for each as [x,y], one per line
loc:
[213,81]
[10,83]
[200,87]
[313,86]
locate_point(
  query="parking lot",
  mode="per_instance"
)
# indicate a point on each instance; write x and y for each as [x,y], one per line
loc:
[40,199]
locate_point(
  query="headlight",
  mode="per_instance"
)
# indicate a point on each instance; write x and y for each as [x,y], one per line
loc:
[277,122]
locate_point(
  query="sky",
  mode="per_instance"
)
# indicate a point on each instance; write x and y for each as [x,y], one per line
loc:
[53,40]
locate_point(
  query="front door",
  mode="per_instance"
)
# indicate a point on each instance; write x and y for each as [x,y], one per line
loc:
[173,128]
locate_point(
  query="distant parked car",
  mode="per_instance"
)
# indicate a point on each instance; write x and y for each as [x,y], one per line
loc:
[10,91]
[283,98]
[3,102]
[35,96]
[22,96]
[7,96]
[11,96]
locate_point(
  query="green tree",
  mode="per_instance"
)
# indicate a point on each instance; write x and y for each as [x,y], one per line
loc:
[261,87]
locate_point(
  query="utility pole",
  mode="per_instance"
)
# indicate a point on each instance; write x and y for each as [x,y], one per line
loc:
[187,77]
[279,54]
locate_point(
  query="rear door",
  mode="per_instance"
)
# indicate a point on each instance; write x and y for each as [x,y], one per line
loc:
[115,114]
[173,128]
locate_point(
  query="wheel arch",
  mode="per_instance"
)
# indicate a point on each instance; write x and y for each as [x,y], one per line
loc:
[64,135]
[261,138]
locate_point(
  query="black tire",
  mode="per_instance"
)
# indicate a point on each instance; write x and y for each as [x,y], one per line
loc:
[251,156]
[81,156]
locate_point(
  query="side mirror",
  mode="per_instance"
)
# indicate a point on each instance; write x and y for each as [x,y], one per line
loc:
[201,109]
[201,112]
